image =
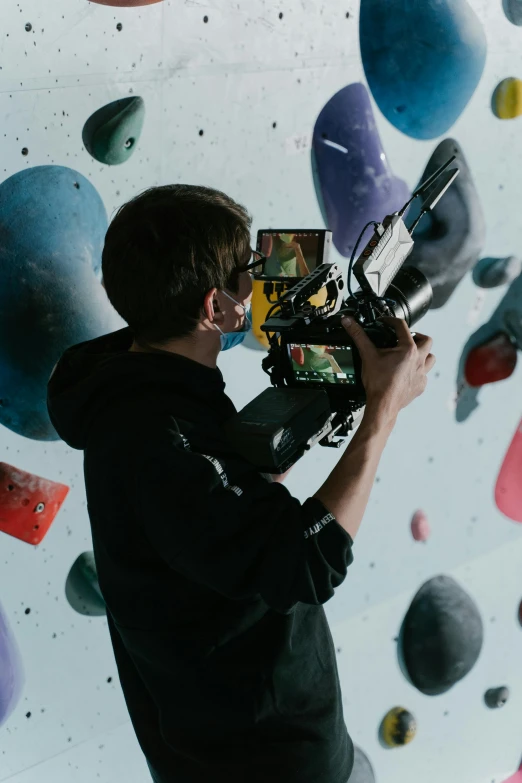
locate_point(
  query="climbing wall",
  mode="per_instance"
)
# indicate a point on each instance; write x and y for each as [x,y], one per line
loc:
[312,114]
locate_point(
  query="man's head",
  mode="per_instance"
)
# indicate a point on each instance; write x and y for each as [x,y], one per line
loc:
[168,255]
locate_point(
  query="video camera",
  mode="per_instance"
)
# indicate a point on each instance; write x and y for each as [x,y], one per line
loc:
[312,362]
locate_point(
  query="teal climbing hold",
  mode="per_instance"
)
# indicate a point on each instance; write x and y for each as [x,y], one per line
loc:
[82,589]
[112,133]
[52,228]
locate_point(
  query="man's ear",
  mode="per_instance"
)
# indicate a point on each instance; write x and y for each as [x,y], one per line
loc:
[211,307]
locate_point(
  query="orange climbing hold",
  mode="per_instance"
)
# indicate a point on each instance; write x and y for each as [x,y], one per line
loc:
[28,503]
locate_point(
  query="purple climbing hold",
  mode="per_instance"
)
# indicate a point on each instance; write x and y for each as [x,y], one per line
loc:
[11,670]
[353,180]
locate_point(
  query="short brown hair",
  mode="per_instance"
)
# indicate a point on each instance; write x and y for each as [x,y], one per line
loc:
[165,249]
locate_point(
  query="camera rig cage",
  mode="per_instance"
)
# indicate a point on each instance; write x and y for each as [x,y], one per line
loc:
[282,423]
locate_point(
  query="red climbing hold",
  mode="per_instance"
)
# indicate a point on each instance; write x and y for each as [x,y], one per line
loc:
[508,489]
[492,361]
[125,3]
[28,503]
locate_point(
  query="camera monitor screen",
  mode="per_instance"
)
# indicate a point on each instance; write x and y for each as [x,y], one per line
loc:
[322,363]
[291,253]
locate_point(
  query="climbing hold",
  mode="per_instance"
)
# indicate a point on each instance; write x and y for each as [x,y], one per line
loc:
[125,3]
[513,11]
[441,637]
[449,240]
[520,613]
[82,589]
[28,503]
[398,727]
[362,771]
[492,361]
[53,225]
[420,527]
[112,133]
[12,675]
[516,777]
[506,101]
[492,272]
[496,697]
[506,318]
[422,61]
[508,488]
[353,180]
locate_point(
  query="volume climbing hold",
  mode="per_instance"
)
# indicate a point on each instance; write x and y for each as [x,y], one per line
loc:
[353,180]
[448,240]
[423,61]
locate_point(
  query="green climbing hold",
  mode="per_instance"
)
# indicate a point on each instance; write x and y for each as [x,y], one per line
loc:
[111,134]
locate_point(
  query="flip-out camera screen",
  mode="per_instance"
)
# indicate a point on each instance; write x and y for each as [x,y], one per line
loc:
[322,363]
[290,254]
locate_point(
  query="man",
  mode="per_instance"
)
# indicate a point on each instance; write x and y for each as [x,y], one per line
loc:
[214,577]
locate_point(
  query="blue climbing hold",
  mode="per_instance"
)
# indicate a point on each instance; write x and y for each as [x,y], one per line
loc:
[353,180]
[52,227]
[423,61]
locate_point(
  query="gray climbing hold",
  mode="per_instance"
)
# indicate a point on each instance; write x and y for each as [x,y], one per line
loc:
[362,771]
[449,240]
[513,11]
[111,134]
[492,272]
[441,637]
[496,697]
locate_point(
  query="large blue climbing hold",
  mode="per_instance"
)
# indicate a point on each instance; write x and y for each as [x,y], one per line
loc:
[353,180]
[52,227]
[423,60]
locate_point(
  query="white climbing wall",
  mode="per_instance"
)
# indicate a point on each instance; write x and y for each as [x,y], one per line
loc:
[255,83]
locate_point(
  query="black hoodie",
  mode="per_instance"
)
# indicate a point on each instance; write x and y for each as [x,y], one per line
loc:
[214,578]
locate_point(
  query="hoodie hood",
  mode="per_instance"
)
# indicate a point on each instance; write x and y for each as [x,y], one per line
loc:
[94,373]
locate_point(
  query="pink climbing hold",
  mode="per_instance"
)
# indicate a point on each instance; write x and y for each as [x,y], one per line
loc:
[517,777]
[508,489]
[420,527]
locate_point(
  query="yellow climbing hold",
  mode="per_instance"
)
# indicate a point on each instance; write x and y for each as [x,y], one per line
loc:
[507,99]
[398,727]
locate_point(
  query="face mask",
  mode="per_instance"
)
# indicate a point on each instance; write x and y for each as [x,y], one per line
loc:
[231,339]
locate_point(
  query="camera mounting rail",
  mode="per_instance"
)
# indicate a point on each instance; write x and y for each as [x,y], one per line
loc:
[294,305]
[392,242]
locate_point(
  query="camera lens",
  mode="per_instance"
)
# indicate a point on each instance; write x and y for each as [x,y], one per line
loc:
[411,293]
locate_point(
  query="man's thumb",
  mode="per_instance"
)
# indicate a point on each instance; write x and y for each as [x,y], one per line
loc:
[357,333]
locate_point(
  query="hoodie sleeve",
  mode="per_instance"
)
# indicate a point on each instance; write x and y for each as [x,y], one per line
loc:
[239,540]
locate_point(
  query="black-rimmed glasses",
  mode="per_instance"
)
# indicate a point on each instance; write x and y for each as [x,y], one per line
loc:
[256,264]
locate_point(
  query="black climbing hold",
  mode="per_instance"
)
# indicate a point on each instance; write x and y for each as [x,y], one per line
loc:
[496,697]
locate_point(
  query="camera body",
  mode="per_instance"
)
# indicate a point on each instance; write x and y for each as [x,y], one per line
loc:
[312,361]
